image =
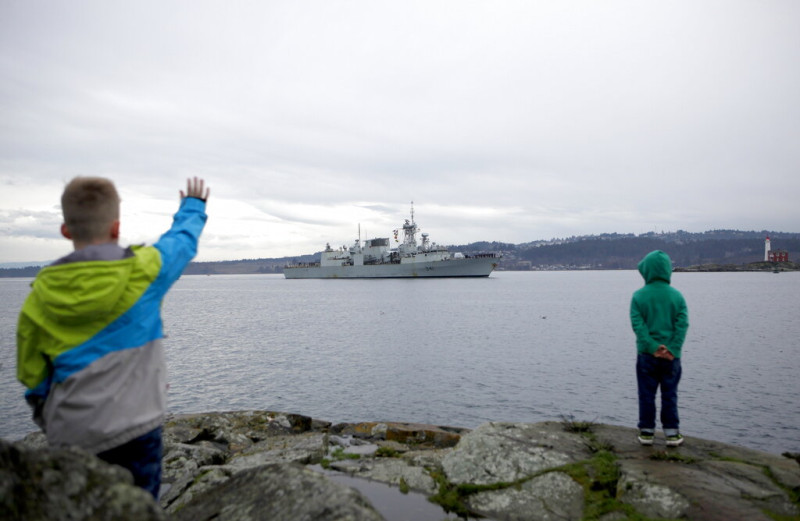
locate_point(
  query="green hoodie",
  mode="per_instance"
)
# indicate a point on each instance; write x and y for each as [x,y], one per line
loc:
[658,311]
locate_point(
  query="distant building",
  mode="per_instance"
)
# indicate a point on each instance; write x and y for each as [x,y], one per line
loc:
[774,256]
[779,256]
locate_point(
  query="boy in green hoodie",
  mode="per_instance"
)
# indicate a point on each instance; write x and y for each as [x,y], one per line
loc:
[660,319]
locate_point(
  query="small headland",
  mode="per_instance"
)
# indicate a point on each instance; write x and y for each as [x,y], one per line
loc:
[773,267]
[273,465]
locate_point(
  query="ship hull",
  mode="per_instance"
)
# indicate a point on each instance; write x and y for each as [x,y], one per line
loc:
[464,267]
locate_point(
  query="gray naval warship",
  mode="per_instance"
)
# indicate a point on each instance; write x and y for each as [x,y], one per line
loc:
[376,259]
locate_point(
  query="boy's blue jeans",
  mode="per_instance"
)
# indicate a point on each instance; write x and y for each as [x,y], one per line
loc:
[652,373]
[141,456]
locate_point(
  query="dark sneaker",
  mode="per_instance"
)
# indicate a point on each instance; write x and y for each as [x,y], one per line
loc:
[674,441]
[646,438]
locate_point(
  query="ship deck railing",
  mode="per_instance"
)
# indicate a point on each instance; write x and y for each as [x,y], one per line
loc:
[303,265]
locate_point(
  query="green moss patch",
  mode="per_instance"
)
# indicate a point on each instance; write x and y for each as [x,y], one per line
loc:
[387,452]
[676,457]
[338,454]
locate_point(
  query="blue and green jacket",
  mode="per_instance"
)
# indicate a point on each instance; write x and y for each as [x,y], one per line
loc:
[658,311]
[89,337]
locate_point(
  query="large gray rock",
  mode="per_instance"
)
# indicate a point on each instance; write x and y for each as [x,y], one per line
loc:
[178,494]
[304,448]
[553,496]
[651,498]
[68,484]
[703,489]
[235,430]
[520,459]
[182,459]
[398,472]
[702,479]
[194,471]
[278,491]
[505,452]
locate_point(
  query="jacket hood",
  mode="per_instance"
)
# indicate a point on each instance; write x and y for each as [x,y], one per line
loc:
[72,294]
[656,265]
[82,291]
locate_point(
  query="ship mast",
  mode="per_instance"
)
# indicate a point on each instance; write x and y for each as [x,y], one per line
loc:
[410,234]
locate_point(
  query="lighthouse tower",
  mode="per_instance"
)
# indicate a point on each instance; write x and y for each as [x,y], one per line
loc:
[766,250]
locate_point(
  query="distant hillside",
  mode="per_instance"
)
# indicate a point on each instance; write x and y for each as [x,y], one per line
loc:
[243,266]
[27,271]
[617,251]
[606,251]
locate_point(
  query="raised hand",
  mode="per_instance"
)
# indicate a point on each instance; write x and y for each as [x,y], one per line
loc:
[194,188]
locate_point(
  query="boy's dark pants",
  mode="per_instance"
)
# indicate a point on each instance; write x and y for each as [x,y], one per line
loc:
[652,372]
[141,456]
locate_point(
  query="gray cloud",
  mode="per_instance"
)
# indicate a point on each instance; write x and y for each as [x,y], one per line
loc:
[31,224]
[514,121]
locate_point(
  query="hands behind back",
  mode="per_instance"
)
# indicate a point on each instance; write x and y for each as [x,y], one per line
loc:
[663,352]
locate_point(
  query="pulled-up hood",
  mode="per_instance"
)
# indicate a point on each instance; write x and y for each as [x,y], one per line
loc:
[656,265]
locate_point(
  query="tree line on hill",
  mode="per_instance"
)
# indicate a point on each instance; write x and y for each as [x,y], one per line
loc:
[624,251]
[606,251]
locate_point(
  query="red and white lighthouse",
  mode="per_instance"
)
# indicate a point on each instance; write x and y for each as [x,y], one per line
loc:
[774,256]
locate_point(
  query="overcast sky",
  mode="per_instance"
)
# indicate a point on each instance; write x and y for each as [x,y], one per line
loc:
[507,121]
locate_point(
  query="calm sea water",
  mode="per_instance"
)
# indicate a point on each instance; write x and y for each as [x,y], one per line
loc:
[518,346]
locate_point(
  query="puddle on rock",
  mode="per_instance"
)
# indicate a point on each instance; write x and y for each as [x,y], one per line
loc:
[392,504]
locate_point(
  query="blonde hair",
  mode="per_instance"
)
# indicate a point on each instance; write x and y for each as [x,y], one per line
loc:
[90,205]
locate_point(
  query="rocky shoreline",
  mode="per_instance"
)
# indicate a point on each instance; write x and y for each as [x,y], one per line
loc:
[271,465]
